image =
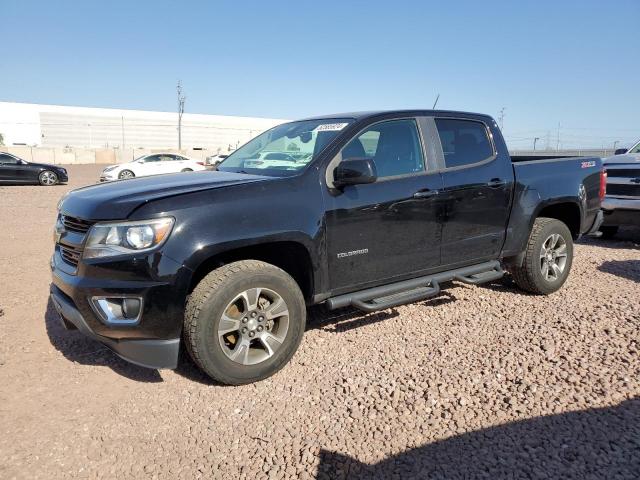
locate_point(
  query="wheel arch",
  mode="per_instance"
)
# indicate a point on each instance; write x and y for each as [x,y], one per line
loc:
[291,256]
[568,212]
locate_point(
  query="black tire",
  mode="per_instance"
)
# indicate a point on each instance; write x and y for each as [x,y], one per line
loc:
[211,298]
[126,174]
[186,170]
[529,275]
[609,231]
[47,178]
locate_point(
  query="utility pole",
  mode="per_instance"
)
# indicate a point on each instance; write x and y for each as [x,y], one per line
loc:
[122,118]
[534,143]
[181,99]
[501,118]
[614,145]
[558,139]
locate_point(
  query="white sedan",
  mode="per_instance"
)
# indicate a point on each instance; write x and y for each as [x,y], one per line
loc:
[154,164]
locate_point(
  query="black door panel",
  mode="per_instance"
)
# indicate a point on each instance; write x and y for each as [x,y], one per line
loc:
[382,230]
[477,210]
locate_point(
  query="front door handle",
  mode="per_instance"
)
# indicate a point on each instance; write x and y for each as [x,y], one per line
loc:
[426,193]
[496,182]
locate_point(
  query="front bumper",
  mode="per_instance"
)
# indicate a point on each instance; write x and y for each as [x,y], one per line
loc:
[63,176]
[621,211]
[615,203]
[161,284]
[146,353]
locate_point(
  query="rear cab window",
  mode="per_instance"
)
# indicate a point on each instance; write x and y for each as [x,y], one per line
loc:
[464,142]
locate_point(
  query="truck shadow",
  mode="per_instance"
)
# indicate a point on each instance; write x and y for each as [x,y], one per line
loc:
[85,351]
[629,269]
[594,443]
[627,237]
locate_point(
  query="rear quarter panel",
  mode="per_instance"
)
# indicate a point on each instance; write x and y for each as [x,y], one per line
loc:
[542,183]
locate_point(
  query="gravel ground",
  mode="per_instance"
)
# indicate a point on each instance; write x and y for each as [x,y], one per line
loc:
[482,382]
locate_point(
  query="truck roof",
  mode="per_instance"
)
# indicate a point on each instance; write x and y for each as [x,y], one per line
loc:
[375,113]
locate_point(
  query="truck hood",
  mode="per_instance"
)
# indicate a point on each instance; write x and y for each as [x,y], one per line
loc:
[116,200]
[625,158]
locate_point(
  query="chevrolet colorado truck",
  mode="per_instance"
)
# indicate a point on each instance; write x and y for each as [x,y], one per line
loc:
[379,209]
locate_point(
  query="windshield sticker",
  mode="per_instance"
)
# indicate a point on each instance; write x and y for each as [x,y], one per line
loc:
[331,127]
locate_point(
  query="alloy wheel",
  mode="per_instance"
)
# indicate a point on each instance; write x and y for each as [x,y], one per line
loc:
[48,178]
[254,326]
[553,257]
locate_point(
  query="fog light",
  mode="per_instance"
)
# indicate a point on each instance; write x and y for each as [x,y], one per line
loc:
[131,307]
[118,310]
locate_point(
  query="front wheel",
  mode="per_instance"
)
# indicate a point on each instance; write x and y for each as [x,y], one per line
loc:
[48,178]
[244,321]
[548,258]
[186,170]
[126,175]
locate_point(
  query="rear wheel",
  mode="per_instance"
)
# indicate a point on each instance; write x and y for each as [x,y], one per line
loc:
[126,174]
[609,231]
[548,258]
[244,321]
[48,178]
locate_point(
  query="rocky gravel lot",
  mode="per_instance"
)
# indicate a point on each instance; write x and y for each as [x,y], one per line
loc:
[482,382]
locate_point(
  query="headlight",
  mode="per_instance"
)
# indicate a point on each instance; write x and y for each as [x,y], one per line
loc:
[108,169]
[62,199]
[112,239]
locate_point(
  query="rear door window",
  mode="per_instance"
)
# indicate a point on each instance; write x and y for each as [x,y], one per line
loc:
[464,142]
[8,159]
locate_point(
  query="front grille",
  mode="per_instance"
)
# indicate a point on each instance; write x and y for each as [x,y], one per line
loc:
[75,224]
[622,189]
[70,254]
[623,172]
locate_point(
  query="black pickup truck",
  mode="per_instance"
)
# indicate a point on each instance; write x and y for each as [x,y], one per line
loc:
[367,210]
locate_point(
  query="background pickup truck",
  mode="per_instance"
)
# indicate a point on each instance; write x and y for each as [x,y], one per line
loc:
[377,209]
[621,205]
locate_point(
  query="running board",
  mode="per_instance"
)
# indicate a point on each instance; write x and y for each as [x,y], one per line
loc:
[416,289]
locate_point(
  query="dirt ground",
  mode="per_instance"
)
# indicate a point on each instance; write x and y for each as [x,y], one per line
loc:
[482,382]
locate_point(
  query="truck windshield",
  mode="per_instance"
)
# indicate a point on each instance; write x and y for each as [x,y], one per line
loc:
[286,149]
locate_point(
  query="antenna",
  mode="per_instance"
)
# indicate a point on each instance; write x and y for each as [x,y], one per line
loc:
[436,102]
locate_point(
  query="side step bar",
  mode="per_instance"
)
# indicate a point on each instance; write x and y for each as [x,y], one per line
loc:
[416,289]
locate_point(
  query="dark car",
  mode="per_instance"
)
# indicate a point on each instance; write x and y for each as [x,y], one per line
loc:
[15,170]
[383,209]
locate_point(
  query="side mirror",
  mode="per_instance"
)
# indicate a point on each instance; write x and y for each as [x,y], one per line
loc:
[355,171]
[620,151]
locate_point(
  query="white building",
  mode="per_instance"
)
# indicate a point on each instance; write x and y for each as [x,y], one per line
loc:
[81,127]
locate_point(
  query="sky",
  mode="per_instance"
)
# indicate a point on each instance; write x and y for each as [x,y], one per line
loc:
[556,67]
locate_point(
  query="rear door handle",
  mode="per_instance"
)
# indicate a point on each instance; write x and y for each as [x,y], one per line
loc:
[496,182]
[426,193]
